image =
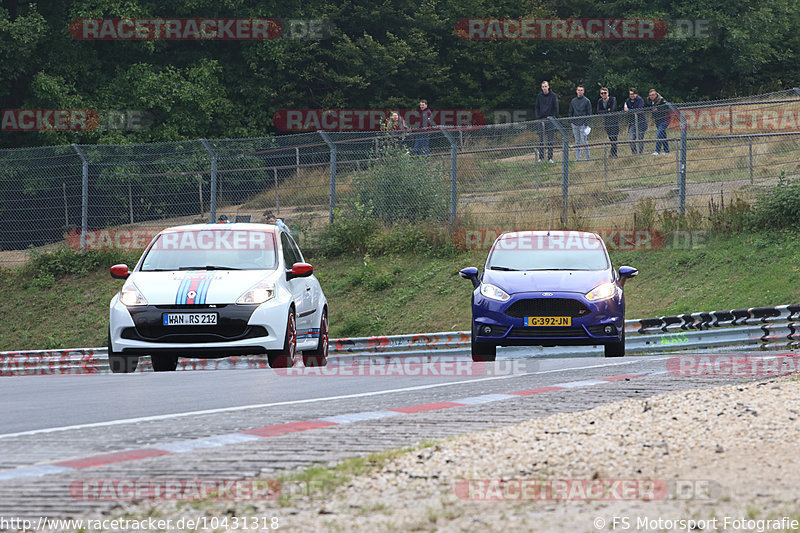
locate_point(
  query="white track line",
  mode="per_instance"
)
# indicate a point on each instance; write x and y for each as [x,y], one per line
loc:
[310,400]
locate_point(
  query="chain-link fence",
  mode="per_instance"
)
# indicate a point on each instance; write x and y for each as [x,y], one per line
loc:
[582,171]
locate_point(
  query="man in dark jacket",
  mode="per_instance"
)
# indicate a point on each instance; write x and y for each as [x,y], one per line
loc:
[637,124]
[607,105]
[422,140]
[580,106]
[661,117]
[546,106]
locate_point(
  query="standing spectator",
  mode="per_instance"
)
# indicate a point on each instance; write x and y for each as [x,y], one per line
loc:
[661,117]
[421,140]
[580,106]
[396,127]
[637,124]
[546,106]
[607,105]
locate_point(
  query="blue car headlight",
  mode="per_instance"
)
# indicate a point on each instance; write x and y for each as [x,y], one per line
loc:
[604,291]
[494,293]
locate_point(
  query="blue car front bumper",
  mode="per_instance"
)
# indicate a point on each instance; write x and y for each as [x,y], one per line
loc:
[504,324]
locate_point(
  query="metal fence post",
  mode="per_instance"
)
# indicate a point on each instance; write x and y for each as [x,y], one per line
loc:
[453,172]
[332,147]
[212,217]
[750,146]
[84,194]
[682,161]
[564,170]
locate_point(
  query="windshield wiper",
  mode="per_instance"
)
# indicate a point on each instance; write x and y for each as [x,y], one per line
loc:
[505,269]
[209,267]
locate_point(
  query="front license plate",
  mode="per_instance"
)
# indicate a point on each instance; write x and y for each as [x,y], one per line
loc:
[189,319]
[548,321]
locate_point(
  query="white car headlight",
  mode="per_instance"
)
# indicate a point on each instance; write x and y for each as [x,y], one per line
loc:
[494,293]
[130,296]
[257,294]
[603,291]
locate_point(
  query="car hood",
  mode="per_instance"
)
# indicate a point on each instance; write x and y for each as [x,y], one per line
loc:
[209,286]
[581,281]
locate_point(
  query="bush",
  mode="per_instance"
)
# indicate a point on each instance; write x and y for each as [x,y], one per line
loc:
[401,187]
[348,234]
[46,267]
[778,208]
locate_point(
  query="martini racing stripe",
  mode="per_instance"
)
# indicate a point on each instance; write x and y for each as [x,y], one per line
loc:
[193,289]
[308,334]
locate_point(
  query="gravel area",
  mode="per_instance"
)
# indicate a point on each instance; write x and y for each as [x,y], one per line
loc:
[727,453]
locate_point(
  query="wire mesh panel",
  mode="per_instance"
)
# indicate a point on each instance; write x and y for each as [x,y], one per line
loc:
[599,171]
[40,198]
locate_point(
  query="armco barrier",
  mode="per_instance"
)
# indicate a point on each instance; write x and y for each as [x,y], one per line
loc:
[755,327]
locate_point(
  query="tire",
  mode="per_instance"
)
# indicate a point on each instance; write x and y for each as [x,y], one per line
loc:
[616,349]
[285,358]
[481,351]
[164,363]
[118,363]
[319,355]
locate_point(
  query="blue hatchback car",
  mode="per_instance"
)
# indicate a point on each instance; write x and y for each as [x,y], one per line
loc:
[548,288]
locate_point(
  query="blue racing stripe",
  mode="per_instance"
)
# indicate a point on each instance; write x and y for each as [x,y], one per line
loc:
[180,297]
[202,290]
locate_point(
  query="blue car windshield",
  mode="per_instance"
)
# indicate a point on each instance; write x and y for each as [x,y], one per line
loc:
[212,249]
[532,254]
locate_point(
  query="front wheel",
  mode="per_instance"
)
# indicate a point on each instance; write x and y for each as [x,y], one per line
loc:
[319,355]
[481,351]
[616,349]
[285,358]
[119,363]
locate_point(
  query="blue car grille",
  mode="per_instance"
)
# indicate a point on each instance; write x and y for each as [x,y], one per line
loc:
[547,332]
[547,307]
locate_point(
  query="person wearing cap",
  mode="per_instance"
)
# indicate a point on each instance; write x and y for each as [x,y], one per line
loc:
[223,219]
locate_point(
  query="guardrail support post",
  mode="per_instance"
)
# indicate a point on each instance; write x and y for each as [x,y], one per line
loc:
[564,170]
[332,193]
[212,217]
[453,172]
[681,161]
[84,194]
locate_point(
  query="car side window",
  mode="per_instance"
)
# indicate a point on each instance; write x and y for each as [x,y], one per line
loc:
[295,248]
[289,253]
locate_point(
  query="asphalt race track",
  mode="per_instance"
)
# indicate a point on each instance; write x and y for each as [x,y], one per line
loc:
[59,429]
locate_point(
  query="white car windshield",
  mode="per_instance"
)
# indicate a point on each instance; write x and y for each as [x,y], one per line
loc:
[537,252]
[212,249]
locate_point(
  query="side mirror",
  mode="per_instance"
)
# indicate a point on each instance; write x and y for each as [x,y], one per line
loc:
[470,273]
[120,271]
[626,273]
[300,270]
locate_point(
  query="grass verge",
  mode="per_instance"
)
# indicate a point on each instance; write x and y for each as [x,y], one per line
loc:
[60,301]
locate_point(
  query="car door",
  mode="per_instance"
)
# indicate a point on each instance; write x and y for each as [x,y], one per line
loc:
[297,286]
[305,318]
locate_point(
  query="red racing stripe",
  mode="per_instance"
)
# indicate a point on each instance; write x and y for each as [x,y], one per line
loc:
[116,457]
[421,408]
[291,427]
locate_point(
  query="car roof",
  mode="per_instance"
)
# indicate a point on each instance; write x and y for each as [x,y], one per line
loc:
[551,233]
[248,226]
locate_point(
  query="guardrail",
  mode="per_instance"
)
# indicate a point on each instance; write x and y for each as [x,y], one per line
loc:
[756,327]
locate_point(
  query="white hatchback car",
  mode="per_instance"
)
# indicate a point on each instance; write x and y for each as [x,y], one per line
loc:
[217,290]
